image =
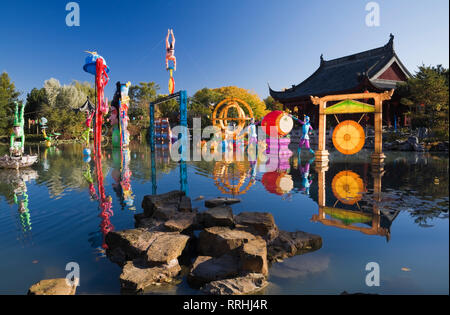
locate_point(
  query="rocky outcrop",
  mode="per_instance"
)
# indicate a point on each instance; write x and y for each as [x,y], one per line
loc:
[258,223]
[221,201]
[185,221]
[206,269]
[52,287]
[218,240]
[150,224]
[138,275]
[185,204]
[155,247]
[167,200]
[252,283]
[412,144]
[253,257]
[165,247]
[289,244]
[231,254]
[129,244]
[218,216]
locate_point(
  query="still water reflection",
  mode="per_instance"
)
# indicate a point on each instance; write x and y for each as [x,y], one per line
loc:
[60,210]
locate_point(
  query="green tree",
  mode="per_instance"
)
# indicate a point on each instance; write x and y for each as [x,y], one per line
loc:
[272,104]
[204,101]
[8,95]
[426,94]
[60,107]
[253,100]
[201,105]
[140,97]
[36,100]
[86,88]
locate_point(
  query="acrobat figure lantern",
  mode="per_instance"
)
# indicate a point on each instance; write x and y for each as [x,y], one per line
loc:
[347,136]
[170,56]
[16,148]
[306,130]
[119,115]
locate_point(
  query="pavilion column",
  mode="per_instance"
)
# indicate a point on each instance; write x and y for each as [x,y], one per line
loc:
[378,156]
[377,174]
[321,171]
[322,153]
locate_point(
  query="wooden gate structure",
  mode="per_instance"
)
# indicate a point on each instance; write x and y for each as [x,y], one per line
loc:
[349,105]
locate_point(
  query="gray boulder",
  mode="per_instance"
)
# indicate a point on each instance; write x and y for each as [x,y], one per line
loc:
[128,244]
[183,221]
[52,287]
[289,244]
[252,283]
[258,223]
[165,247]
[218,216]
[206,269]
[185,204]
[138,275]
[217,241]
[169,199]
[253,257]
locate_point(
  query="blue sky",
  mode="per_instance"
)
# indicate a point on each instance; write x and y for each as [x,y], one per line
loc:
[246,43]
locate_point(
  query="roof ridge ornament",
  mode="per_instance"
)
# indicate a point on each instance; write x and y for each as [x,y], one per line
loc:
[322,61]
[390,44]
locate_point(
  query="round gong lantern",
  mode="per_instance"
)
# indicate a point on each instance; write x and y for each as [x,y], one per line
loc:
[280,120]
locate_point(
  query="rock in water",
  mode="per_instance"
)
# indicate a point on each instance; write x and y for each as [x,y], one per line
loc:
[150,224]
[172,198]
[218,216]
[253,257]
[132,243]
[166,247]
[137,275]
[289,244]
[217,241]
[52,287]
[250,284]
[206,269]
[185,204]
[221,201]
[182,222]
[258,223]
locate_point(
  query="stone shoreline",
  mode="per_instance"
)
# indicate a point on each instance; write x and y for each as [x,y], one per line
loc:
[218,252]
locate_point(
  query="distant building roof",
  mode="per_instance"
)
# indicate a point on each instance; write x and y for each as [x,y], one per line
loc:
[378,68]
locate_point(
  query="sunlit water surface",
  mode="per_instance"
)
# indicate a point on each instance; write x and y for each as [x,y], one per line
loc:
[49,217]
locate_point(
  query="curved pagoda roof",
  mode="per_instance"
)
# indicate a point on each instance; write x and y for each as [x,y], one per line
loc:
[348,74]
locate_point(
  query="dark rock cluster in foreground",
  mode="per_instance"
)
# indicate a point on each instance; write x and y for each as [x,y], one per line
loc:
[220,253]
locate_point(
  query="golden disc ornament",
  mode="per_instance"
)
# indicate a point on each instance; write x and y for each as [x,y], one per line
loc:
[348,187]
[349,137]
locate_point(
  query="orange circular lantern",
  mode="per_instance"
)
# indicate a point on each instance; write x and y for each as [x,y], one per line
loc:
[280,120]
[349,137]
[348,187]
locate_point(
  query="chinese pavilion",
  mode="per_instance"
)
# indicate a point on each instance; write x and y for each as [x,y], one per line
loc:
[375,70]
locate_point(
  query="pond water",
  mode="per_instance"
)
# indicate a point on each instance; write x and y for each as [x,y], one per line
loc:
[50,216]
